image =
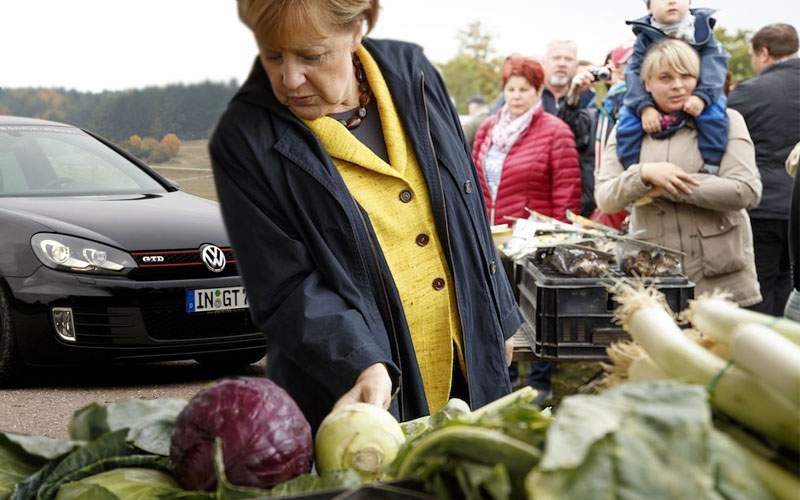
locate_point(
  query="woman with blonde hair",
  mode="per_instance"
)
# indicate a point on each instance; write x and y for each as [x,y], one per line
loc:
[357,219]
[675,204]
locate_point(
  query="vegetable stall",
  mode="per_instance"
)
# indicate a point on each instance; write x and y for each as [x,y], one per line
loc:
[700,412]
[700,399]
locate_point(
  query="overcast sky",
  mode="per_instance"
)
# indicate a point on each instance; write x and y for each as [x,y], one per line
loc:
[94,45]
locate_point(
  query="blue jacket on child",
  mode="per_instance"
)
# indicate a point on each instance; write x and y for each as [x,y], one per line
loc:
[713,59]
[712,123]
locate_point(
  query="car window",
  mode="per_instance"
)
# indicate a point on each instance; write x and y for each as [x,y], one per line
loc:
[76,166]
[62,161]
[11,177]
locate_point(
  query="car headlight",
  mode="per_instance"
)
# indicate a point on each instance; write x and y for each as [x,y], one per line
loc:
[68,253]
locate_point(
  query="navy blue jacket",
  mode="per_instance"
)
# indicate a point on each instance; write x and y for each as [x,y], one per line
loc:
[317,281]
[713,60]
[770,105]
[582,120]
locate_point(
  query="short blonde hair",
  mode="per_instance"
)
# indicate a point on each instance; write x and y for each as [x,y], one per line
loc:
[676,55]
[272,20]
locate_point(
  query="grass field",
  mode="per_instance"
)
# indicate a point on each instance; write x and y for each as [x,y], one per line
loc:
[191,169]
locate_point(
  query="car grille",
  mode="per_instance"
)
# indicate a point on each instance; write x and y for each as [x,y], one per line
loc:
[156,265]
[161,317]
[172,323]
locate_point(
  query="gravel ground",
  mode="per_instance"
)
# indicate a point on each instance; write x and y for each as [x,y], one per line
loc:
[44,405]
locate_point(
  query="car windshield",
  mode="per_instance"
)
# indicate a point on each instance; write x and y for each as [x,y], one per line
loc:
[65,161]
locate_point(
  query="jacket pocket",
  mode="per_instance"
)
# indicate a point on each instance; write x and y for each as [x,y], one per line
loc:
[722,242]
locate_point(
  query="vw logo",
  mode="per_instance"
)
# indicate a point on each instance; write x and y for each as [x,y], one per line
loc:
[213,257]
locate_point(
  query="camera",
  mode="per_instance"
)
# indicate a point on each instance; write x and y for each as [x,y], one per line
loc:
[601,73]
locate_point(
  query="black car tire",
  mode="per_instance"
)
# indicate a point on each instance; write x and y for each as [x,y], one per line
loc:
[230,361]
[10,364]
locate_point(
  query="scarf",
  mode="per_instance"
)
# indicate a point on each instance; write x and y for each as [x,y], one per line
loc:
[682,30]
[671,123]
[507,129]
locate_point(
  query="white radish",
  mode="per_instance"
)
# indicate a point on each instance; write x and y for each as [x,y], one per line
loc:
[717,318]
[770,357]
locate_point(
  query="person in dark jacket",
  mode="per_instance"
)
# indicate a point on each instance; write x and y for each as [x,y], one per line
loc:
[770,104]
[568,95]
[792,310]
[639,116]
[357,219]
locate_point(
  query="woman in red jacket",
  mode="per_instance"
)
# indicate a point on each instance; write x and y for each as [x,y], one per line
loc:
[526,158]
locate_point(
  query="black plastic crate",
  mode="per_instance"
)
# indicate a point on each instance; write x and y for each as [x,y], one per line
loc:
[569,318]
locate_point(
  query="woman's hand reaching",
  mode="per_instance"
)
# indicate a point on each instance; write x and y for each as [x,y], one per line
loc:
[373,386]
[667,177]
[509,351]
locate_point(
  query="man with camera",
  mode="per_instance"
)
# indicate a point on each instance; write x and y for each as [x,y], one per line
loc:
[561,78]
[568,94]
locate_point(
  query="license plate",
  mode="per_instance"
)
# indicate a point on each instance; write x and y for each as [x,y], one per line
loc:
[215,299]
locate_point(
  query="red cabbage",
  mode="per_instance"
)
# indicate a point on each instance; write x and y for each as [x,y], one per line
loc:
[266,440]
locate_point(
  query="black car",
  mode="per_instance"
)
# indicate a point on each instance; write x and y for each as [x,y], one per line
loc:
[103,259]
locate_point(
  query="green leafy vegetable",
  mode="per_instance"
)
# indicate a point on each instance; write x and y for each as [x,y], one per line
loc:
[76,491]
[125,483]
[304,484]
[15,465]
[482,454]
[150,422]
[309,483]
[43,446]
[109,451]
[652,440]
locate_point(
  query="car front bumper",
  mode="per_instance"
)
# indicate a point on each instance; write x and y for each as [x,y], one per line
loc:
[117,319]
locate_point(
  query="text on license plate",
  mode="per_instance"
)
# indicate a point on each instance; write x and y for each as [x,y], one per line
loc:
[215,299]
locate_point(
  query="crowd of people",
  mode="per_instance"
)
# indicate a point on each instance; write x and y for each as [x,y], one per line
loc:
[664,149]
[615,136]
[361,219]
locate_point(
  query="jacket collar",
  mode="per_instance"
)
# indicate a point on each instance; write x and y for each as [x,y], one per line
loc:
[401,67]
[792,62]
[703,26]
[341,144]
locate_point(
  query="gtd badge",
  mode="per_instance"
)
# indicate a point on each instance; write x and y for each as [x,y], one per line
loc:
[153,258]
[213,257]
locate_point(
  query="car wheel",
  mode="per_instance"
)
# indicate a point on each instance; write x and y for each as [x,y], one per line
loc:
[230,361]
[10,364]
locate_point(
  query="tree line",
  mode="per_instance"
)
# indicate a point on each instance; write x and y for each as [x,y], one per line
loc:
[477,68]
[189,111]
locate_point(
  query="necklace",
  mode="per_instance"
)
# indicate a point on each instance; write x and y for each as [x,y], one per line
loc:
[363,99]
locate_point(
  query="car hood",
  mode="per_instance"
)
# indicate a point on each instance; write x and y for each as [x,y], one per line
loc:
[173,220]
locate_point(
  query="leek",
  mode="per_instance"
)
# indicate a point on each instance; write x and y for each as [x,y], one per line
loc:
[732,389]
[717,318]
[770,357]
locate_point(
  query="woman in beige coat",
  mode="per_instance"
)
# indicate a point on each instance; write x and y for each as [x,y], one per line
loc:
[675,203]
